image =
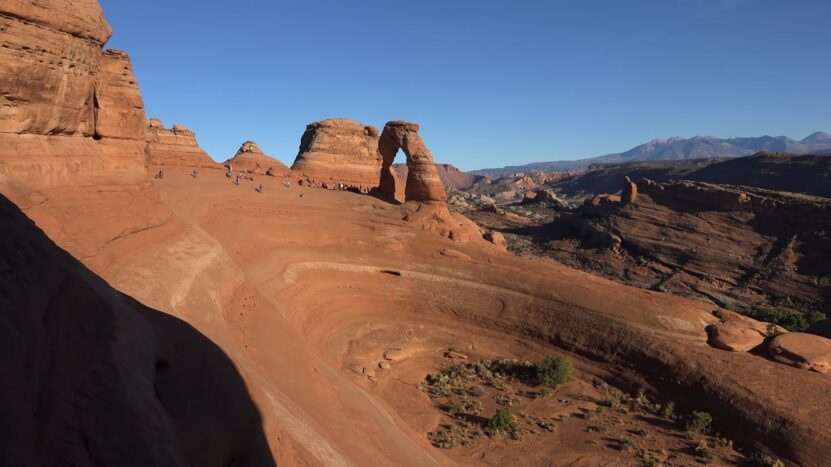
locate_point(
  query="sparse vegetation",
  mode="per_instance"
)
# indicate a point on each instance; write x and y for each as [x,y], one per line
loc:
[790,319]
[698,422]
[554,371]
[702,451]
[762,458]
[502,422]
[668,410]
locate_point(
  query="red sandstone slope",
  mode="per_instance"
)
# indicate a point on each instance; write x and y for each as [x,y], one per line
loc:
[92,377]
[307,294]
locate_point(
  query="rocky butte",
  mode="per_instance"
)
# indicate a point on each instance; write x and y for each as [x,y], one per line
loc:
[339,150]
[183,320]
[250,158]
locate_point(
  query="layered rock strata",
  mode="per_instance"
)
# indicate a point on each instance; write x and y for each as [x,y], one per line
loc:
[339,151]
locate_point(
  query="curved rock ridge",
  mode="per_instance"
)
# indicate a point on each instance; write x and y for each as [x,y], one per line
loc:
[250,158]
[175,146]
[423,182]
[339,150]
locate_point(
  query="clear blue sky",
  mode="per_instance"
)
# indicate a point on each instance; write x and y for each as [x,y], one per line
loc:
[491,82]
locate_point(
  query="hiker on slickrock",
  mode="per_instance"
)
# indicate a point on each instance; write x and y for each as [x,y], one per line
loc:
[259,189]
[160,175]
[194,174]
[236,181]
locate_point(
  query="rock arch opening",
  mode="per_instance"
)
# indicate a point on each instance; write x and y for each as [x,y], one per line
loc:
[423,182]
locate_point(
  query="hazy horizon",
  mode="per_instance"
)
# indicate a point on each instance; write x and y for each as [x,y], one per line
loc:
[491,83]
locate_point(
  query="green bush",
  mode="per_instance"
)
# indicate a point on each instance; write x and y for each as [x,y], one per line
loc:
[554,371]
[698,422]
[502,422]
[791,320]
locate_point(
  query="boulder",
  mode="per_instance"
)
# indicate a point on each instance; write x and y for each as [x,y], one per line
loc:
[734,337]
[339,150]
[806,351]
[738,333]
[497,239]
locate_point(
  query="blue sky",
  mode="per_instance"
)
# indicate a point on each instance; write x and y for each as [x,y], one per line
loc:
[492,83]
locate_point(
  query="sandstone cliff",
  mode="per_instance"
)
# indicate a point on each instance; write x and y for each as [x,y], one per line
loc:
[339,150]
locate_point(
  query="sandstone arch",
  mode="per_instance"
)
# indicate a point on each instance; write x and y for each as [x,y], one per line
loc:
[423,182]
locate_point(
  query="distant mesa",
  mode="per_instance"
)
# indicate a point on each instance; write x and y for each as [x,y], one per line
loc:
[678,148]
[250,158]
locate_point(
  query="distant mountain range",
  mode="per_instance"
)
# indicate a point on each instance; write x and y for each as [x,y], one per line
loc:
[678,148]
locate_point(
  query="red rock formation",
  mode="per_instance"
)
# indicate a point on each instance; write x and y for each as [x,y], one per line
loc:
[806,351]
[51,56]
[250,158]
[339,150]
[423,182]
[175,147]
[118,106]
[450,176]
[629,194]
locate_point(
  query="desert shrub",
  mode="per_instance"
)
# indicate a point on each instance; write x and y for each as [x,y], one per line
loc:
[764,459]
[624,444]
[668,410]
[446,437]
[612,398]
[554,371]
[477,391]
[789,319]
[464,406]
[702,451]
[502,422]
[698,422]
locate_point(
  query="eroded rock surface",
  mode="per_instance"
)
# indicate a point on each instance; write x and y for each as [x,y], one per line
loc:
[339,150]
[175,146]
[250,158]
[807,351]
[423,181]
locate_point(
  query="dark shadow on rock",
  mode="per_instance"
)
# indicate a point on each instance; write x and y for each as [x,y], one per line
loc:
[91,377]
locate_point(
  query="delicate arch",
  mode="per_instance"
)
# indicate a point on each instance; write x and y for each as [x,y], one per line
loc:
[423,182]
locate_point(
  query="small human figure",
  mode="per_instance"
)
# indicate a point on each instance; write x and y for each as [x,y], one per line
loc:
[194,174]
[236,181]
[160,175]
[259,189]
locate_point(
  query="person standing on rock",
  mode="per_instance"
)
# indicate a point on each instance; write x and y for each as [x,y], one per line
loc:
[259,189]
[236,181]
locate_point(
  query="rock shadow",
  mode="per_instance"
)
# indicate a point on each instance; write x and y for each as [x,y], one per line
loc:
[93,377]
